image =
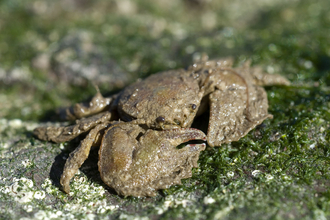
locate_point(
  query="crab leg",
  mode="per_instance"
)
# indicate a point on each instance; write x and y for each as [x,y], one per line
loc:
[259,77]
[138,166]
[79,155]
[79,110]
[67,133]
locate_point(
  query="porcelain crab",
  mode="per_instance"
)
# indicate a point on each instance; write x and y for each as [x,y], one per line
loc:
[138,129]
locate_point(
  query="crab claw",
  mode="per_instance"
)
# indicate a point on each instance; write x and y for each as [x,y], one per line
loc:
[139,165]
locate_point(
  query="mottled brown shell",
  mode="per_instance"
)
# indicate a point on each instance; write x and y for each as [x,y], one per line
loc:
[138,130]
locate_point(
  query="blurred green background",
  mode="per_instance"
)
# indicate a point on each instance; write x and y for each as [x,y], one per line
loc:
[52,52]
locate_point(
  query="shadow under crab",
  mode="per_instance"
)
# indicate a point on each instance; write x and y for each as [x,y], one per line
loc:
[138,129]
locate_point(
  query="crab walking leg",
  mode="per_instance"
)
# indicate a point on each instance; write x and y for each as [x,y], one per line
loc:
[79,110]
[138,166]
[261,78]
[231,118]
[67,133]
[78,156]
[266,79]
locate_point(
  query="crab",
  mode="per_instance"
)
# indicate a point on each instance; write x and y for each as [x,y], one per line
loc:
[139,129]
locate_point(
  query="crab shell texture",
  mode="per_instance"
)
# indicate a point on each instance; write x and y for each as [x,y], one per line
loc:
[138,130]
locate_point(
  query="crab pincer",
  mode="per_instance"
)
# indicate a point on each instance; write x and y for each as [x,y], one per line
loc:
[138,164]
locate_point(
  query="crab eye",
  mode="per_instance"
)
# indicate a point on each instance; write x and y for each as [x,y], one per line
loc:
[193,106]
[160,119]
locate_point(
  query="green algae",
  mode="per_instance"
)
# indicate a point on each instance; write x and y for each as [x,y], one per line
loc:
[280,170]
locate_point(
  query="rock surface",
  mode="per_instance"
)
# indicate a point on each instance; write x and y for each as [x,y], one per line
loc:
[279,170]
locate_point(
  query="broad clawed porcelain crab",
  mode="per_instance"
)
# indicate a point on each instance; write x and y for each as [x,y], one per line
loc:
[138,130]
